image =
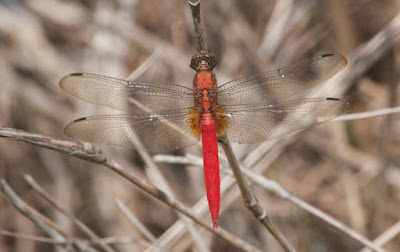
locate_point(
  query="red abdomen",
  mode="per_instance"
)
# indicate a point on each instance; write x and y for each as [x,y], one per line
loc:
[211,165]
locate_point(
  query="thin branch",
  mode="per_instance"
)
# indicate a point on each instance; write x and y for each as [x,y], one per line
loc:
[32,237]
[106,240]
[366,55]
[26,210]
[368,114]
[145,65]
[274,187]
[88,152]
[136,222]
[39,220]
[81,226]
[125,239]
[198,25]
[250,199]
[74,148]
[178,160]
[386,236]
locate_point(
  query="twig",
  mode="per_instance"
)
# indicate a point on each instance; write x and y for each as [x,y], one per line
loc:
[77,149]
[145,65]
[178,160]
[125,239]
[32,237]
[81,226]
[369,53]
[198,25]
[368,114]
[386,236]
[278,190]
[381,191]
[106,240]
[283,17]
[86,151]
[38,219]
[22,207]
[250,199]
[136,221]
[350,184]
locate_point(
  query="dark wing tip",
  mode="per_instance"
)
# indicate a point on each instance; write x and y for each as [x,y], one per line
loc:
[76,74]
[80,119]
[344,105]
[327,55]
[332,99]
[67,129]
[65,78]
[342,61]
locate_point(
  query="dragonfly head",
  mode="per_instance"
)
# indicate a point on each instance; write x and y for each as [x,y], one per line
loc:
[203,60]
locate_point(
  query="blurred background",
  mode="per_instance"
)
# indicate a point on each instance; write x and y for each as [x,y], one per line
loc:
[349,170]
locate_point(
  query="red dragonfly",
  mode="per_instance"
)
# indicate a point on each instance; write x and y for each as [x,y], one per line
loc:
[166,117]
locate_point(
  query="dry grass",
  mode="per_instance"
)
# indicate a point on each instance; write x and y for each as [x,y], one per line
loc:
[349,170]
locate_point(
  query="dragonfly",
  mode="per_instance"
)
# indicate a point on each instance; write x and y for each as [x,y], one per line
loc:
[164,117]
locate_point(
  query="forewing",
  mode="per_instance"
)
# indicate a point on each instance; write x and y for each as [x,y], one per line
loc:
[280,84]
[259,123]
[156,132]
[129,96]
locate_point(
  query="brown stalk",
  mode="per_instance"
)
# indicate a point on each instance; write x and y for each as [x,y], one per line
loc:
[198,25]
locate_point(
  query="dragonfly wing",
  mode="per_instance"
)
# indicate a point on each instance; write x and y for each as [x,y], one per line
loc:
[280,84]
[156,132]
[270,121]
[125,95]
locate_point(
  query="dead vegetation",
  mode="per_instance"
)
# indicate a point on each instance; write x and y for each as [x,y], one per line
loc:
[349,170]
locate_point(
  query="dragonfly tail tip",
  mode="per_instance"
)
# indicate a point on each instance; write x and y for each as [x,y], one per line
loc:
[215,223]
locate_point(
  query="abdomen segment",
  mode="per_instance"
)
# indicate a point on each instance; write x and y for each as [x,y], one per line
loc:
[211,165]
